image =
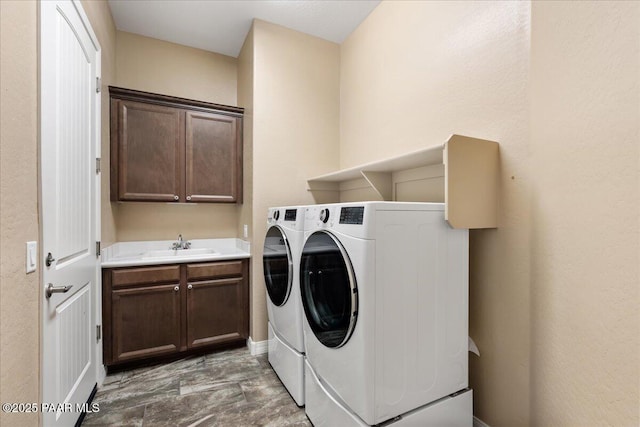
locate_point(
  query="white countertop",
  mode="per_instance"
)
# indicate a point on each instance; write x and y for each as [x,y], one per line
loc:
[127,254]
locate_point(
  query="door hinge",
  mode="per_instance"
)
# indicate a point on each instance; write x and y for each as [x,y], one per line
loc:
[97,249]
[98,165]
[98,85]
[98,333]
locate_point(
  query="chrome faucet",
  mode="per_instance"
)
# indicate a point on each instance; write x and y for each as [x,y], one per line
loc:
[180,244]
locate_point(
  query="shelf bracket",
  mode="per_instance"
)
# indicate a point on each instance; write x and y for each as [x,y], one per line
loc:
[381,183]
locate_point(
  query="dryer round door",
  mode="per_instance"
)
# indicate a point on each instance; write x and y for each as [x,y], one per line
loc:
[328,288]
[277,265]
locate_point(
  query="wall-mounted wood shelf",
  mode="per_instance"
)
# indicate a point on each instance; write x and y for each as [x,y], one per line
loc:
[462,173]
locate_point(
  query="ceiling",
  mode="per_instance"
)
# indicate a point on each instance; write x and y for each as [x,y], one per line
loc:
[222,25]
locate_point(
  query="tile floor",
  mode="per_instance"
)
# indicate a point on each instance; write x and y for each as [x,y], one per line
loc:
[229,388]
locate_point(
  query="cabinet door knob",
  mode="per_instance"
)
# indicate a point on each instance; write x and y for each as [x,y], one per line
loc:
[188,197]
[175,197]
[190,286]
[176,289]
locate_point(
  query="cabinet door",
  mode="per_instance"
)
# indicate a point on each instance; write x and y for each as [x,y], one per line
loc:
[149,153]
[145,321]
[216,312]
[213,158]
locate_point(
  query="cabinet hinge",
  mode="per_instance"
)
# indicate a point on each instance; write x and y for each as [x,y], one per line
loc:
[98,85]
[98,166]
[98,333]
[97,248]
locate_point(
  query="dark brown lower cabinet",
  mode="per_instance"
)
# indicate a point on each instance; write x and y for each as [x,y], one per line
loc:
[164,310]
[206,325]
[152,331]
[224,321]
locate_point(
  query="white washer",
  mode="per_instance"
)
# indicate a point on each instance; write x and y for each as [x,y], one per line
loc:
[281,261]
[384,287]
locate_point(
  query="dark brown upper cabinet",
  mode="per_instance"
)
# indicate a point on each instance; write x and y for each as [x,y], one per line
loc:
[168,149]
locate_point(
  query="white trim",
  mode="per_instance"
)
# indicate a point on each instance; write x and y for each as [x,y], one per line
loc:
[257,347]
[87,25]
[101,369]
[477,422]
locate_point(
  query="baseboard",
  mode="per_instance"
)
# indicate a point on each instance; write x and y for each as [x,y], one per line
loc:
[258,347]
[101,374]
[477,422]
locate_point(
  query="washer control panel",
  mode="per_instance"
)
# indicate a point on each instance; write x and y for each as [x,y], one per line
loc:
[352,215]
[288,217]
[290,214]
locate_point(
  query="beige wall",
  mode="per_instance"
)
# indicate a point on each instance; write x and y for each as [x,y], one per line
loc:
[157,66]
[585,306]
[295,130]
[553,290]
[19,292]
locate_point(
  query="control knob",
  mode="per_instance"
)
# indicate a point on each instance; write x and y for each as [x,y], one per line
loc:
[276,215]
[324,215]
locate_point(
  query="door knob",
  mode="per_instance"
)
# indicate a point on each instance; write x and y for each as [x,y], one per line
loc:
[50,290]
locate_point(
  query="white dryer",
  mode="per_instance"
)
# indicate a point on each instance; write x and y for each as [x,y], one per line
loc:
[280,261]
[384,288]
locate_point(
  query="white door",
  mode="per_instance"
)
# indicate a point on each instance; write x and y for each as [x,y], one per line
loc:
[69,117]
